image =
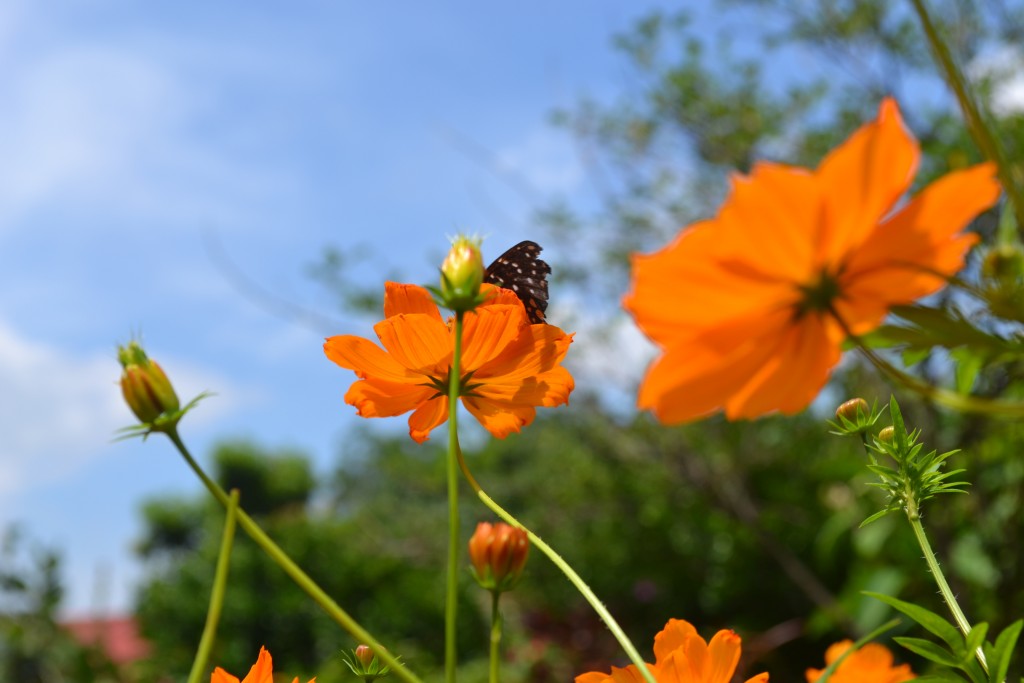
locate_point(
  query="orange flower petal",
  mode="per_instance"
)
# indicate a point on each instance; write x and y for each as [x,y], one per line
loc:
[893,265]
[783,202]
[672,637]
[792,376]
[593,677]
[262,671]
[498,296]
[536,350]
[723,656]
[400,298]
[690,286]
[862,179]
[367,359]
[500,419]
[376,398]
[629,674]
[548,389]
[428,416]
[221,676]
[759,678]
[691,380]
[487,331]
[416,341]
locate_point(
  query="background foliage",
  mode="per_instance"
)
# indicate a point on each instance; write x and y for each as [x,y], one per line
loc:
[751,526]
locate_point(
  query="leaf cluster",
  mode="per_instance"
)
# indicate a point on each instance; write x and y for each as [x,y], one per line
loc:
[917,476]
[958,652]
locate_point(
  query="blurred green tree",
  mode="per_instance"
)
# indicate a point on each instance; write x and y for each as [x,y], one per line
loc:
[34,648]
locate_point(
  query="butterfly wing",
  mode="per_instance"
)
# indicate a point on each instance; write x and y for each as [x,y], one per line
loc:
[521,270]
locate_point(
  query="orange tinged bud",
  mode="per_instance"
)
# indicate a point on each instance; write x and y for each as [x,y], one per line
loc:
[852,408]
[462,273]
[498,553]
[365,655]
[145,386]
[886,435]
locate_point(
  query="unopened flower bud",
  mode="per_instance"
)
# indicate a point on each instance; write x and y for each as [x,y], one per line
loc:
[462,273]
[146,388]
[886,435]
[364,663]
[1003,262]
[852,409]
[365,655]
[498,553]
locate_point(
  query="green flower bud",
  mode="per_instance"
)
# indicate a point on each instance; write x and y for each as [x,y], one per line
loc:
[462,273]
[886,435]
[145,386]
[498,553]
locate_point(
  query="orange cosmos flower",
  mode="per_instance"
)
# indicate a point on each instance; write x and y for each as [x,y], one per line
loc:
[749,307]
[509,367]
[870,664]
[682,656]
[261,672]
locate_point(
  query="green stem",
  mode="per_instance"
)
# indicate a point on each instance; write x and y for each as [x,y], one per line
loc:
[451,595]
[914,516]
[569,572]
[987,142]
[496,624]
[220,580]
[950,399]
[291,569]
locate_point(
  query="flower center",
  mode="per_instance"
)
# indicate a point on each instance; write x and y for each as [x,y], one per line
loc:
[817,296]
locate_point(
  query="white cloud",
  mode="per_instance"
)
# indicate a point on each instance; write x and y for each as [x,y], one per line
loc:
[1005,66]
[59,410]
[118,128]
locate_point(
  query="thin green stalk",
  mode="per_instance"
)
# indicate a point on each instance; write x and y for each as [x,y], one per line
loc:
[950,399]
[220,580]
[987,141]
[291,569]
[451,595]
[914,516]
[569,572]
[496,625]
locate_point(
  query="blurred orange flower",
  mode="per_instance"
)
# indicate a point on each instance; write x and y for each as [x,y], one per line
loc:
[261,672]
[682,656]
[749,307]
[509,367]
[870,664]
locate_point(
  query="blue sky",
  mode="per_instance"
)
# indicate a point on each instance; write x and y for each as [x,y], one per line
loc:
[129,130]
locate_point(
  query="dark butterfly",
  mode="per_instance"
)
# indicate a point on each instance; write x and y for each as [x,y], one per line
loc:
[521,270]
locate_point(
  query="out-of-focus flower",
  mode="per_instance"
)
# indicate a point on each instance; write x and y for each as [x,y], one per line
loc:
[261,672]
[364,663]
[144,385]
[498,553]
[682,656]
[462,273]
[509,367]
[872,663]
[750,307]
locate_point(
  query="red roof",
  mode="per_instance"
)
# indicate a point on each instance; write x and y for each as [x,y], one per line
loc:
[117,637]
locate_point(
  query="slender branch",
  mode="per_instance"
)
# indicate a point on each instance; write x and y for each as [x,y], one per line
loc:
[496,626]
[914,516]
[293,570]
[569,572]
[451,594]
[220,580]
[987,141]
